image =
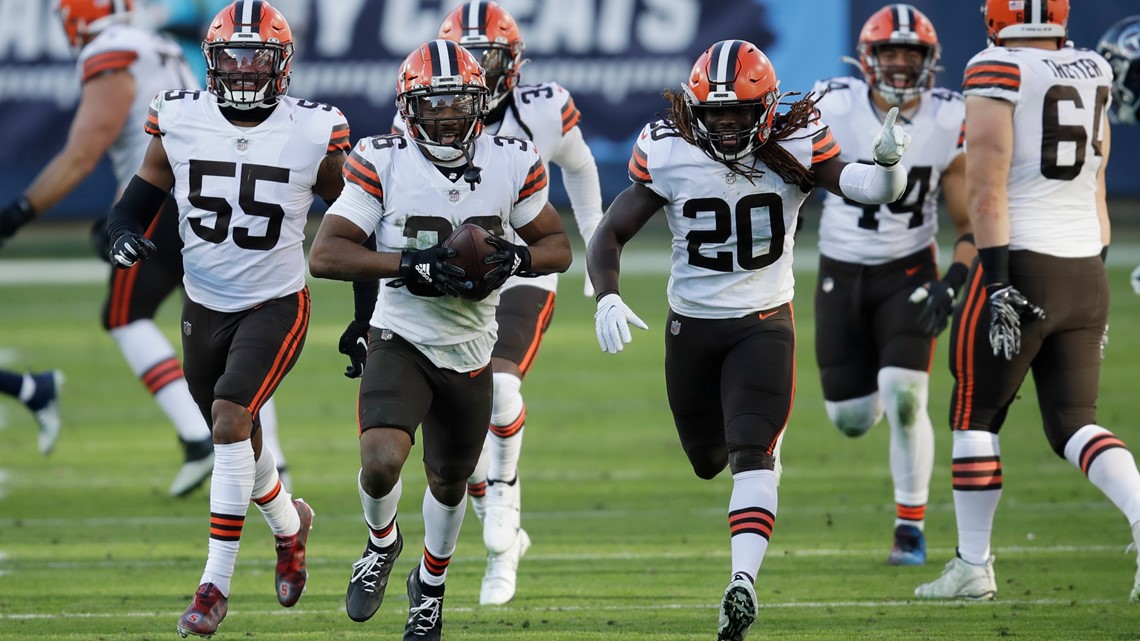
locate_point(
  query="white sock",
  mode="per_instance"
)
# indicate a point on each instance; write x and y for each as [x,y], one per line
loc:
[380,514]
[441,533]
[274,501]
[751,518]
[152,359]
[904,394]
[508,418]
[268,417]
[27,388]
[1105,459]
[976,473]
[230,489]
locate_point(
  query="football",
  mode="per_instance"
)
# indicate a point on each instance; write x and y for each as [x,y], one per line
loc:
[471,248]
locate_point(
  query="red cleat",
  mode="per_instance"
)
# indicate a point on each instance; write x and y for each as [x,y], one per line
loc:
[206,611]
[291,571]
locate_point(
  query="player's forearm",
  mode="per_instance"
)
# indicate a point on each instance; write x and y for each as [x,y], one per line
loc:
[603,261]
[551,254]
[873,184]
[60,177]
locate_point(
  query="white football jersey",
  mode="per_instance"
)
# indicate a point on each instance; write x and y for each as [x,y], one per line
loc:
[243,193]
[543,114]
[155,63]
[875,234]
[391,189]
[1060,98]
[732,238]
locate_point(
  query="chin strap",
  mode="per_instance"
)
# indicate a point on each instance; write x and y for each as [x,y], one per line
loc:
[472,175]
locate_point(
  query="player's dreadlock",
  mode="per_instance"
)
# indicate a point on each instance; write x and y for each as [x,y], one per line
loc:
[775,157]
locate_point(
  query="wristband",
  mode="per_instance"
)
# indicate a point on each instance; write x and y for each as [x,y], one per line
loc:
[995,264]
[604,293]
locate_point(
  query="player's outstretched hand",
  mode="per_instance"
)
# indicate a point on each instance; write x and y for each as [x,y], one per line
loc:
[13,217]
[354,345]
[891,142]
[612,321]
[129,248]
[1008,307]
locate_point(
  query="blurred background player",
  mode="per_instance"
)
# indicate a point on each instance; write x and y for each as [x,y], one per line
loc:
[873,344]
[244,162]
[1038,298]
[545,114]
[122,67]
[731,175]
[1120,46]
[40,394]
[429,351]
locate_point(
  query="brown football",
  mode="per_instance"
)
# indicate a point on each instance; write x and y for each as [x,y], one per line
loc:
[471,248]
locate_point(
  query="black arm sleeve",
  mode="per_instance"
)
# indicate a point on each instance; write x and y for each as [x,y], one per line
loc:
[364,292]
[136,210]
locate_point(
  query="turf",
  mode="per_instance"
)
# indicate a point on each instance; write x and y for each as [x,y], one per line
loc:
[628,543]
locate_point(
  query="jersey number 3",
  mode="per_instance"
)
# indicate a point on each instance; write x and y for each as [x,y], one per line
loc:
[250,174]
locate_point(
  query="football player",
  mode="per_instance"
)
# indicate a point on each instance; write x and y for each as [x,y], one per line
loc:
[873,344]
[1037,299]
[122,67]
[244,161]
[40,394]
[1120,46]
[429,350]
[544,114]
[731,173]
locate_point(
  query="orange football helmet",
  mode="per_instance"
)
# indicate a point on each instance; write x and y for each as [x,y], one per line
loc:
[1026,19]
[730,76]
[441,92]
[249,54]
[492,36]
[898,25]
[84,19]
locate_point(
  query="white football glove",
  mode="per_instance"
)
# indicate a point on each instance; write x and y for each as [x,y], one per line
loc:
[1136,280]
[891,142]
[612,321]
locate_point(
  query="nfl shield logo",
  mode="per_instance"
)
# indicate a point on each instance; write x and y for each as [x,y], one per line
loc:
[241,144]
[453,195]
[186,327]
[675,327]
[730,178]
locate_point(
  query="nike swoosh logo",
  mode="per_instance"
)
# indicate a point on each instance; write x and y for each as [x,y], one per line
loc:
[770,314]
[477,372]
[363,343]
[911,271]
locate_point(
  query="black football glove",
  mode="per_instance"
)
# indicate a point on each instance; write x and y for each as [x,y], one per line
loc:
[354,345]
[13,217]
[1008,307]
[129,248]
[511,258]
[430,267]
[937,300]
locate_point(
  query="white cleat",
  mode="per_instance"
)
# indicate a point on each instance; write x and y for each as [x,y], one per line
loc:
[479,505]
[961,580]
[191,475]
[502,570]
[48,416]
[1134,596]
[737,610]
[501,521]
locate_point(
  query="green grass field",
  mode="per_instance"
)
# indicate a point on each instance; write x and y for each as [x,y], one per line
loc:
[628,543]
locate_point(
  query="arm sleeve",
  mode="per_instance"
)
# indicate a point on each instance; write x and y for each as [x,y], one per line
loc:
[873,184]
[136,209]
[580,176]
[364,292]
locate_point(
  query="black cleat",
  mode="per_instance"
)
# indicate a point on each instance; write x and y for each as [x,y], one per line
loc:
[425,609]
[370,579]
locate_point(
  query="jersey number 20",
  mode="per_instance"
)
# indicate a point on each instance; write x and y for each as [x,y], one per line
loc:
[724,218]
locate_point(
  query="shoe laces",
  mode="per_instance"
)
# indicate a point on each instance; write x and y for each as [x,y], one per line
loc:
[367,569]
[426,614]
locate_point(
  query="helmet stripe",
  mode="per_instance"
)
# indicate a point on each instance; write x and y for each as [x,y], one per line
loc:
[476,17]
[722,64]
[118,6]
[903,17]
[445,59]
[248,15]
[1035,12]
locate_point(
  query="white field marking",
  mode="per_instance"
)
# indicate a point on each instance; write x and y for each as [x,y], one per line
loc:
[775,552]
[811,605]
[181,521]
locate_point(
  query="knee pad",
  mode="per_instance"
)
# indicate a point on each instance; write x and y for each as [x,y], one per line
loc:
[507,404]
[751,458]
[904,393]
[854,417]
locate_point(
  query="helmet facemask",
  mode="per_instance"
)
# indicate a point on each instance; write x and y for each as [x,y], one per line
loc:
[445,121]
[731,129]
[247,75]
[499,65]
[899,72]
